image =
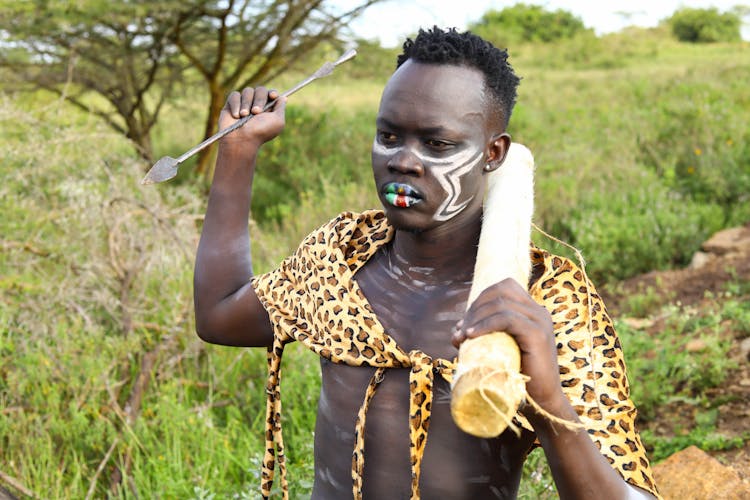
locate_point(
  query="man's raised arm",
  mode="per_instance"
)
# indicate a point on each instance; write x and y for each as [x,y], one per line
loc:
[227,309]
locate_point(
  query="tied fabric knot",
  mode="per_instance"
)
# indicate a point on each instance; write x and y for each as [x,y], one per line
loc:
[421,378]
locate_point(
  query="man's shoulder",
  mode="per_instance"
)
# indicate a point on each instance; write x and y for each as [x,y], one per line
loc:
[350,238]
[546,265]
[349,225]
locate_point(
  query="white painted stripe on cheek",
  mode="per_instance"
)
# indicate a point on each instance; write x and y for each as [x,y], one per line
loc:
[448,171]
[449,178]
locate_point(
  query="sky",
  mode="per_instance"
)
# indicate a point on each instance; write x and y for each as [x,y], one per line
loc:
[391,21]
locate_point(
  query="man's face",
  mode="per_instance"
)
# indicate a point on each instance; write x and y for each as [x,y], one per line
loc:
[430,147]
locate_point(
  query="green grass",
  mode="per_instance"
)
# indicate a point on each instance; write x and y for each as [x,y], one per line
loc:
[96,271]
[664,371]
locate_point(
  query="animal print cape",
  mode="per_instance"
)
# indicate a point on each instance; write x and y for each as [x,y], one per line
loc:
[312,298]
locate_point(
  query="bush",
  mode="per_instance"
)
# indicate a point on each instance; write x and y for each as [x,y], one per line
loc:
[634,231]
[700,147]
[318,149]
[373,61]
[586,50]
[527,23]
[705,25]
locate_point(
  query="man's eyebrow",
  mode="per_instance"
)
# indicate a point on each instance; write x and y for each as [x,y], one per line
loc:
[438,130]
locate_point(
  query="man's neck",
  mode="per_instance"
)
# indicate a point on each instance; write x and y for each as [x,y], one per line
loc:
[441,255]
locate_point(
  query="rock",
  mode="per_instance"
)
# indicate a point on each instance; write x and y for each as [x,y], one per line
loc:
[728,241]
[700,259]
[638,323]
[745,348]
[693,474]
[695,345]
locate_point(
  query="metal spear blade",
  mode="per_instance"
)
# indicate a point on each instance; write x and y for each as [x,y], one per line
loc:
[166,168]
[163,170]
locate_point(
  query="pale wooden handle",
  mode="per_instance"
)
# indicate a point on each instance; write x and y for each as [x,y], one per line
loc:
[487,386]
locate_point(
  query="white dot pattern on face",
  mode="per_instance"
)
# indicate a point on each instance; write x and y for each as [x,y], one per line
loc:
[448,172]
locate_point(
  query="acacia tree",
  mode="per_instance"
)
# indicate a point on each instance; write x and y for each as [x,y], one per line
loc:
[237,43]
[133,52]
[118,50]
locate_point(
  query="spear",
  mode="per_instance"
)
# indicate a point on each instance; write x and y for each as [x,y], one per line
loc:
[166,167]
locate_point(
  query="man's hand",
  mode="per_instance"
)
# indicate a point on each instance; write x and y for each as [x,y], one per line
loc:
[260,129]
[507,307]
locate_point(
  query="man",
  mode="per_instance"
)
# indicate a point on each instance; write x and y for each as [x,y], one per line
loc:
[381,297]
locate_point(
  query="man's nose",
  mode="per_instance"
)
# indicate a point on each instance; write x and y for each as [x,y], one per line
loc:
[404,161]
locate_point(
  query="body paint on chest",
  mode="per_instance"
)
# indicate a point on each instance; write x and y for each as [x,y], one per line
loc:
[447,170]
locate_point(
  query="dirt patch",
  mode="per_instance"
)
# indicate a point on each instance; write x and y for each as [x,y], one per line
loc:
[723,263]
[725,259]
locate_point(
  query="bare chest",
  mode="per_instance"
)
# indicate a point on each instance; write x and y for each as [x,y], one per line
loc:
[417,315]
[415,312]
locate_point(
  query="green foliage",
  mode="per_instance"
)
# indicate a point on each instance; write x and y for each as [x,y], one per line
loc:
[637,230]
[705,25]
[700,147]
[643,304]
[527,23]
[630,202]
[536,479]
[703,435]
[585,50]
[662,369]
[336,151]
[737,310]
[373,62]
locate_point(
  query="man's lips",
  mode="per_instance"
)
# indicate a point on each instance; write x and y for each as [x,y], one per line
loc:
[401,195]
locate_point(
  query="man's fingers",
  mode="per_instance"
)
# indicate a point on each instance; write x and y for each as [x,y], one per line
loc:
[506,320]
[458,335]
[512,322]
[279,106]
[507,289]
[260,97]
[233,104]
[488,307]
[247,101]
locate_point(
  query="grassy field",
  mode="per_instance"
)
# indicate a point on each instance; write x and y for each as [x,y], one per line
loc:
[642,151]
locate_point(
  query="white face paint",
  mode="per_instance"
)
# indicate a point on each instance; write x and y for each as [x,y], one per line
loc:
[448,170]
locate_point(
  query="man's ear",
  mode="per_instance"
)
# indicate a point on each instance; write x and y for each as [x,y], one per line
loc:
[497,150]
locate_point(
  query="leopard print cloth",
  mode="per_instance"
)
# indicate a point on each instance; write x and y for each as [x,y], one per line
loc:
[312,298]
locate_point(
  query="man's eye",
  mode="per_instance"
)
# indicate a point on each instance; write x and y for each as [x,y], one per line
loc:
[437,144]
[387,138]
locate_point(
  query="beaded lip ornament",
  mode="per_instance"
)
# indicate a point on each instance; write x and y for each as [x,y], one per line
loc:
[401,195]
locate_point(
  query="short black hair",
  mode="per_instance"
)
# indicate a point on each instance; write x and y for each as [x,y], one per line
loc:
[437,46]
